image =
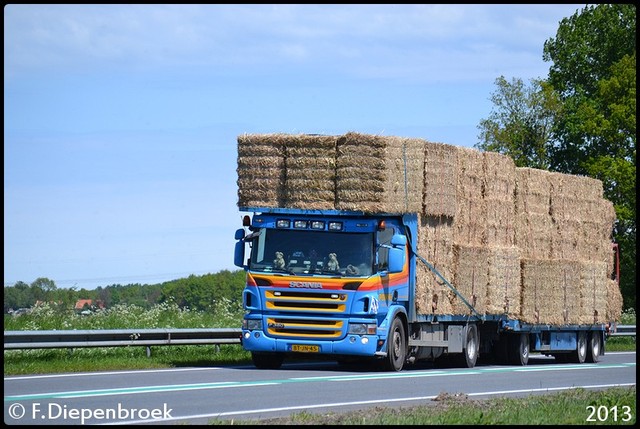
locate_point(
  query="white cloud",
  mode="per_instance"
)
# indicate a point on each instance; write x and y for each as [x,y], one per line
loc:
[347,38]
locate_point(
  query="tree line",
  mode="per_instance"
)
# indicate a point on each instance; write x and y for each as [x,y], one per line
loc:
[201,293]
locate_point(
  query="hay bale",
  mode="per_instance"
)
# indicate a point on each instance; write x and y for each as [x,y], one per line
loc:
[504,293]
[470,218]
[499,196]
[435,244]
[533,191]
[535,234]
[285,170]
[440,179]
[261,170]
[379,174]
[471,267]
[535,229]
[573,197]
[551,291]
[593,292]
[595,235]
[310,163]
[576,206]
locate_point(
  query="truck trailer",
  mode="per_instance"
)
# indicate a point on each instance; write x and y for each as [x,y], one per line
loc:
[371,281]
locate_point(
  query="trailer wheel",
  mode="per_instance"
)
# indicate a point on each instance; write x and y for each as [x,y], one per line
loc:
[579,355]
[519,349]
[263,360]
[471,347]
[595,345]
[397,346]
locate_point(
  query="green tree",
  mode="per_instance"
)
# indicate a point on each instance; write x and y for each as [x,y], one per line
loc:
[17,296]
[520,124]
[43,289]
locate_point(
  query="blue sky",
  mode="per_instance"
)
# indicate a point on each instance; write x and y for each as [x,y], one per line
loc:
[121,121]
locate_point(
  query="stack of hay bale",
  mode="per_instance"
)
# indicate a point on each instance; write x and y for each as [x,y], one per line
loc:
[527,243]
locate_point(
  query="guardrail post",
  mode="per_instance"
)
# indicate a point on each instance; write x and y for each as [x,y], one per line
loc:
[148,351]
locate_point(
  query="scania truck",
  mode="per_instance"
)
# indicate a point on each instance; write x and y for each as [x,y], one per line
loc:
[341,285]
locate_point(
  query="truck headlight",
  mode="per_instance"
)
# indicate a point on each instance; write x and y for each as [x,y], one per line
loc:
[363,328]
[252,324]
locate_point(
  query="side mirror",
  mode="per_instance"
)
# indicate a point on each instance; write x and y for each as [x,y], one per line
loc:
[238,254]
[397,253]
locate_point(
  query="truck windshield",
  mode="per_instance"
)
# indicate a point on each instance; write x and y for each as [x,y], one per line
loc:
[312,252]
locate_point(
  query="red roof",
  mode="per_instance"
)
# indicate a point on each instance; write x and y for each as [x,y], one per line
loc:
[82,302]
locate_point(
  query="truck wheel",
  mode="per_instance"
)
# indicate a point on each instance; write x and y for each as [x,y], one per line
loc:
[519,349]
[397,346]
[263,360]
[595,345]
[471,347]
[579,355]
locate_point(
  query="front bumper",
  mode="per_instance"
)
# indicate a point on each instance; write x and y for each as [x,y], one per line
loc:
[352,344]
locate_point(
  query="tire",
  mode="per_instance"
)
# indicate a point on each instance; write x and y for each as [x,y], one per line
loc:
[263,360]
[519,349]
[396,347]
[471,347]
[579,355]
[595,347]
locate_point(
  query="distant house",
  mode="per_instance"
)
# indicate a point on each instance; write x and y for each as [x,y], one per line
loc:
[88,304]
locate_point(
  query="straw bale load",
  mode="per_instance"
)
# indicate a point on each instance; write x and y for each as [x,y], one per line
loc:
[261,173]
[499,196]
[310,169]
[379,174]
[593,296]
[471,212]
[534,227]
[435,244]
[504,294]
[551,291]
[471,278]
[523,242]
[440,179]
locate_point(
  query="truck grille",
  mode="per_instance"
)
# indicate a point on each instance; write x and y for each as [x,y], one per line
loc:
[290,304]
[317,328]
[306,301]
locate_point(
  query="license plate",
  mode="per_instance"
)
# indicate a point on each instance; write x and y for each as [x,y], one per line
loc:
[304,348]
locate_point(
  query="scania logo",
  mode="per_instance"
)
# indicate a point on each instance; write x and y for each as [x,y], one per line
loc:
[308,285]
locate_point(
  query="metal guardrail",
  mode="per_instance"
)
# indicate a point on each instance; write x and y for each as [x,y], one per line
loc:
[624,331]
[14,340]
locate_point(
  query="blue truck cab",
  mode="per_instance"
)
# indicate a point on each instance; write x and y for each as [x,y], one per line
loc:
[328,283]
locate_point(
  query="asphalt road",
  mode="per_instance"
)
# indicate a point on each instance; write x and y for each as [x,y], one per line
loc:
[195,395]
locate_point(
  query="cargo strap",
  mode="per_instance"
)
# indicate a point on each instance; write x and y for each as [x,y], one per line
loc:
[437,273]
